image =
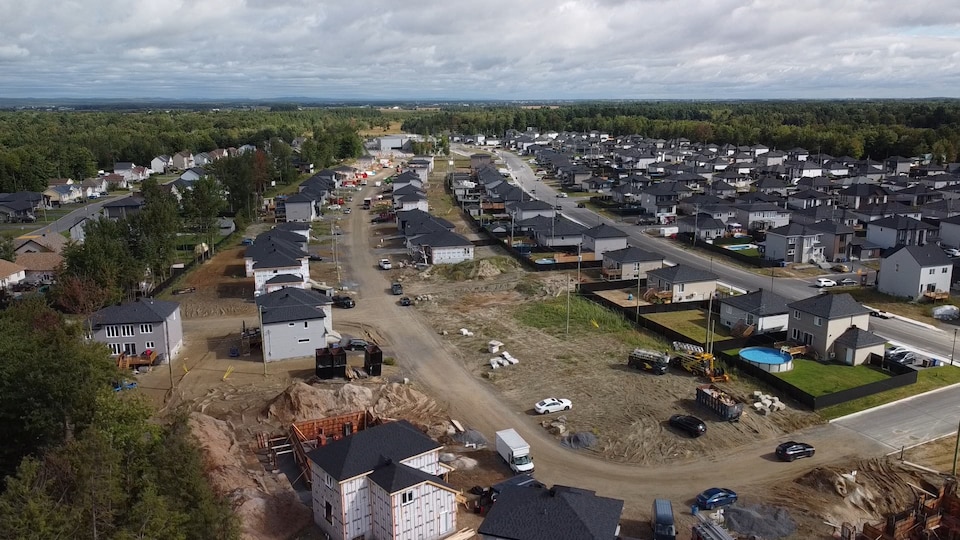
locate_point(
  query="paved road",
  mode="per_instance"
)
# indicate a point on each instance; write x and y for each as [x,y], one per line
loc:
[91,209]
[935,342]
[909,422]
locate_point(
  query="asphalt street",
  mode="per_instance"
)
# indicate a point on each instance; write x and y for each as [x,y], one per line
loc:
[936,342]
[91,209]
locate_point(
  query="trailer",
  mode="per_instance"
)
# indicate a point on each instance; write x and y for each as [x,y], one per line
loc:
[653,361]
[720,402]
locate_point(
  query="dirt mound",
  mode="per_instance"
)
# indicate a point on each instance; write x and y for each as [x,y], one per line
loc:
[762,521]
[486,269]
[403,401]
[263,515]
[301,401]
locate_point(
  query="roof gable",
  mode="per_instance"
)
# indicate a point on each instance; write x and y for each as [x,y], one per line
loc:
[830,306]
[364,451]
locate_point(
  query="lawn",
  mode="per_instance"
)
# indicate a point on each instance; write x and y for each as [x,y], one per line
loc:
[885,302]
[927,380]
[820,379]
[690,323]
[586,318]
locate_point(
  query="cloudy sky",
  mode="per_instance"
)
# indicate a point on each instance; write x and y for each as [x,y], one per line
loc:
[492,49]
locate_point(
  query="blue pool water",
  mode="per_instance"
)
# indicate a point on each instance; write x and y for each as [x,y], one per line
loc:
[741,247]
[764,355]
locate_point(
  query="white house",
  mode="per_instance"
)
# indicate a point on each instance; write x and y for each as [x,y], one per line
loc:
[685,283]
[911,271]
[280,270]
[950,231]
[294,323]
[898,230]
[11,274]
[603,238]
[442,247]
[161,163]
[629,263]
[766,311]
[382,482]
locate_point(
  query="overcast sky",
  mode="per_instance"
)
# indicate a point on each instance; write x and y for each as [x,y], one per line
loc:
[492,49]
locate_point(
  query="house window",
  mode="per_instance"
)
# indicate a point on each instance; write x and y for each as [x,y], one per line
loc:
[113,331]
[943,270]
[303,340]
[933,271]
[305,324]
[795,334]
[146,328]
[116,348]
[328,481]
[291,324]
[796,314]
[680,287]
[749,318]
[130,348]
[328,512]
[149,345]
[817,321]
[126,330]
[406,498]
[728,308]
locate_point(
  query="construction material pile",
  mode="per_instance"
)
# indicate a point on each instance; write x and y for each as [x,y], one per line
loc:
[761,521]
[766,403]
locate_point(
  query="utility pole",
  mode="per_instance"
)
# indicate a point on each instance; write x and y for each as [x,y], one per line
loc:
[956,450]
[953,349]
[568,306]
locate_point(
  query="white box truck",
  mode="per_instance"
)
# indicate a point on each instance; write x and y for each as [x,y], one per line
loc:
[514,450]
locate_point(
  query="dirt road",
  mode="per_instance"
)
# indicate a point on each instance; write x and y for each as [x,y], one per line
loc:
[429,362]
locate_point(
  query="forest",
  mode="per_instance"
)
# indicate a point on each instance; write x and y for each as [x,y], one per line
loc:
[81,460]
[860,129]
[36,146]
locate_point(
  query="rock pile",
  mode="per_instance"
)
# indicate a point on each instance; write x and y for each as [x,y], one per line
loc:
[766,403]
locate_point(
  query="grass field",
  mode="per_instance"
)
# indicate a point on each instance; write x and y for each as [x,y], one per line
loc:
[885,302]
[585,318]
[820,379]
[927,380]
[691,323]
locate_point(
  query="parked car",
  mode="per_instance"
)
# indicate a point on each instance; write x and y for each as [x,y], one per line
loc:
[356,344]
[396,289]
[880,314]
[692,425]
[315,258]
[952,252]
[562,195]
[405,301]
[714,497]
[826,282]
[792,450]
[385,264]
[581,205]
[848,282]
[346,210]
[344,302]
[552,405]
[840,268]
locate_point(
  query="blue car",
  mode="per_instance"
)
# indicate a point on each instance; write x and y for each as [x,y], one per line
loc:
[714,497]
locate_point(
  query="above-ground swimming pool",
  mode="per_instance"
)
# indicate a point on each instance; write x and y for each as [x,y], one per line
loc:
[767,359]
[740,247]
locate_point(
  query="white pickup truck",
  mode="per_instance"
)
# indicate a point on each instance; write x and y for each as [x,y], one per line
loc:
[385,264]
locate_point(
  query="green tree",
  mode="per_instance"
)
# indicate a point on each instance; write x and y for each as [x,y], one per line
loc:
[6,247]
[106,258]
[202,203]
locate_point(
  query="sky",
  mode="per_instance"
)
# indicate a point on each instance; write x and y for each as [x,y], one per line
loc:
[479,50]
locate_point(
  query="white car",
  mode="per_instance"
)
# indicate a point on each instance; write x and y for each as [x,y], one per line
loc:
[551,405]
[333,207]
[385,264]
[562,195]
[826,282]
[952,252]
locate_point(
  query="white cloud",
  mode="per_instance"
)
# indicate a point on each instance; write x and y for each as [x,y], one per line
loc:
[497,49]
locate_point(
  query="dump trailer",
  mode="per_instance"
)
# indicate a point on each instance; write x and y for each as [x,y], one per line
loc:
[654,361]
[719,402]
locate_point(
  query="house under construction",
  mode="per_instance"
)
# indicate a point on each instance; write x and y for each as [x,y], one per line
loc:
[934,516]
[308,435]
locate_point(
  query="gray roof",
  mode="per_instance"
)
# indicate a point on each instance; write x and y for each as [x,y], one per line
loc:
[367,450]
[125,202]
[760,303]
[396,477]
[858,338]
[794,229]
[901,223]
[442,239]
[604,231]
[144,310]
[559,513]
[928,255]
[275,259]
[681,274]
[830,306]
[291,304]
[631,254]
[284,278]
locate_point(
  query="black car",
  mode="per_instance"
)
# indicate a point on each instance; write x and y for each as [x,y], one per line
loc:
[405,301]
[792,450]
[344,302]
[356,345]
[692,425]
[396,289]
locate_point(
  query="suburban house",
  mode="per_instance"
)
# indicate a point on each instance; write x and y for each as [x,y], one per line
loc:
[912,271]
[764,310]
[39,243]
[123,207]
[836,238]
[761,216]
[661,201]
[521,210]
[822,320]
[794,243]
[94,187]
[21,206]
[557,513]
[39,267]
[950,231]
[685,283]
[300,207]
[124,169]
[11,274]
[135,327]
[557,232]
[703,225]
[898,230]
[294,323]
[183,160]
[603,238]
[441,247]
[63,194]
[161,163]
[629,263]
[276,270]
[382,482]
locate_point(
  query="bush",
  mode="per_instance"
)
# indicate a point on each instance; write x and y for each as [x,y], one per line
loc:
[390,361]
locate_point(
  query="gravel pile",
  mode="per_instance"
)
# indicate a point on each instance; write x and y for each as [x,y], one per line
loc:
[580,439]
[470,436]
[767,522]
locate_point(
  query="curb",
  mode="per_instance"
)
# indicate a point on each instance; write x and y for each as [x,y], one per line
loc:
[914,322]
[892,403]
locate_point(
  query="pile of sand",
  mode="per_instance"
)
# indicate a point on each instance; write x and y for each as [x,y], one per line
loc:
[263,515]
[486,269]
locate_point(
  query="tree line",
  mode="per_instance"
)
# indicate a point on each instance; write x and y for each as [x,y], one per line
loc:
[36,146]
[81,460]
[862,128]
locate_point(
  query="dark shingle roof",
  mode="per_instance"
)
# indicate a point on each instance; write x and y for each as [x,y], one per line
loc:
[681,274]
[275,260]
[396,477]
[604,231]
[631,254]
[760,303]
[442,238]
[284,278]
[901,223]
[858,338]
[830,306]
[928,255]
[363,451]
[141,311]
[559,513]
